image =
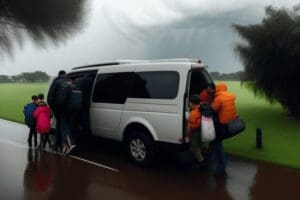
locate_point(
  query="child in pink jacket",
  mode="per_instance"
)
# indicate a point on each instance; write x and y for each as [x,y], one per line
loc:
[42,115]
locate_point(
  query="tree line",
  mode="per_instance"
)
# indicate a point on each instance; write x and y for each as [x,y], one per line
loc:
[235,76]
[25,77]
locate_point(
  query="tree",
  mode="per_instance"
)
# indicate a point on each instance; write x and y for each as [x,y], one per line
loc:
[271,56]
[40,19]
[18,78]
[4,79]
[37,76]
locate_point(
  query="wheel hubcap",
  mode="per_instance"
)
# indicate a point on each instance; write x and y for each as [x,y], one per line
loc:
[138,149]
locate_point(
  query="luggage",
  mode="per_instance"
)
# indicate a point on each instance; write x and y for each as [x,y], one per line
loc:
[234,127]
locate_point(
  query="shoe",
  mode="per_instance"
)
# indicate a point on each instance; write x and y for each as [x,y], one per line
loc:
[38,147]
[70,149]
[65,149]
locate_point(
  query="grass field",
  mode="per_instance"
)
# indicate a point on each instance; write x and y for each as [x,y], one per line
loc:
[281,133]
[14,96]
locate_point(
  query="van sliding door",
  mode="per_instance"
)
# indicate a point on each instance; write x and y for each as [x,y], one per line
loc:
[109,96]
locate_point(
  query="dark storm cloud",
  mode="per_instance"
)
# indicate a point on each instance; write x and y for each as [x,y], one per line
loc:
[209,38]
[205,35]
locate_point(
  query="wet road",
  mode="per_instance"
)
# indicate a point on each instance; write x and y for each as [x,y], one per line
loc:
[30,174]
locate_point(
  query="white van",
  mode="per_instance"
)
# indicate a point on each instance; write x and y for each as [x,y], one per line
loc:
[143,104]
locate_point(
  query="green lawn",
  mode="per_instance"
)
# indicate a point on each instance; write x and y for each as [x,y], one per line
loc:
[281,133]
[14,96]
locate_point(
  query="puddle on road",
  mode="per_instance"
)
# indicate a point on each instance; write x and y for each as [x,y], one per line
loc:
[30,174]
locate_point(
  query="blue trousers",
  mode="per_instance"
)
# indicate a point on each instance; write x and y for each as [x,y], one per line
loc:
[217,150]
[32,133]
[66,130]
[218,155]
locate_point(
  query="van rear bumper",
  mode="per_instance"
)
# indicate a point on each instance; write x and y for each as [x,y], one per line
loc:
[171,147]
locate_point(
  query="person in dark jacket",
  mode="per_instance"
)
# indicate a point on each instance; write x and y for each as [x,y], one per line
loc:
[85,84]
[30,121]
[56,111]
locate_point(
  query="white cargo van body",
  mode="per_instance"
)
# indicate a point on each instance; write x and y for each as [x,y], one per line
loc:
[144,104]
[162,117]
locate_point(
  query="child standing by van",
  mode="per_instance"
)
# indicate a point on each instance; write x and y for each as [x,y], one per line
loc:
[30,121]
[42,114]
[194,127]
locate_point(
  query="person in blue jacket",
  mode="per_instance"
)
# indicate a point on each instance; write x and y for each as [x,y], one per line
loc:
[30,121]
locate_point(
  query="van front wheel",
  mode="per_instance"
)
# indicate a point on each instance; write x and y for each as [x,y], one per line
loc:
[140,148]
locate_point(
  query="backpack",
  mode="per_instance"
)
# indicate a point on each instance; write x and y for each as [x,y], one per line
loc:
[28,113]
[208,132]
[63,93]
[75,104]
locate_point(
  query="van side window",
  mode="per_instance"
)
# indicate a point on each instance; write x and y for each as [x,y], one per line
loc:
[155,85]
[112,88]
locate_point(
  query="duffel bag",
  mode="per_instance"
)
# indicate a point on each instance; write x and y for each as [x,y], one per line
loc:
[234,127]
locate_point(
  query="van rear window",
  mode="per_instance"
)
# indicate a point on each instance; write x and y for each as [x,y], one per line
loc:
[155,85]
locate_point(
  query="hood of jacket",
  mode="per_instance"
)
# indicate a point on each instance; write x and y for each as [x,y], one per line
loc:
[220,87]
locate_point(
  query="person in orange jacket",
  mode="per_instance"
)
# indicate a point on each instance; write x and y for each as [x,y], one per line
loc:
[223,105]
[193,128]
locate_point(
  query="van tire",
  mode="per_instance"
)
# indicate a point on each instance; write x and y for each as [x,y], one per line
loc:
[140,147]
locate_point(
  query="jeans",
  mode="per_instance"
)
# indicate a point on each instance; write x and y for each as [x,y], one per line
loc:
[66,130]
[58,130]
[32,132]
[217,150]
[218,155]
[44,140]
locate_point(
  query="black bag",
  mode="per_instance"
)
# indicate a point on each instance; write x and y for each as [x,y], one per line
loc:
[234,127]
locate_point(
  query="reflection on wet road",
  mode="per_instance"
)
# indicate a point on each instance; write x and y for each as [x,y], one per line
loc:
[30,174]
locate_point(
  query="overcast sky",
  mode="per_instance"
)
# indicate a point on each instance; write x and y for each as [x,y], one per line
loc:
[148,29]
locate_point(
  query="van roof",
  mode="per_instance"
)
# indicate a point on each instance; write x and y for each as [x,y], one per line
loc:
[120,62]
